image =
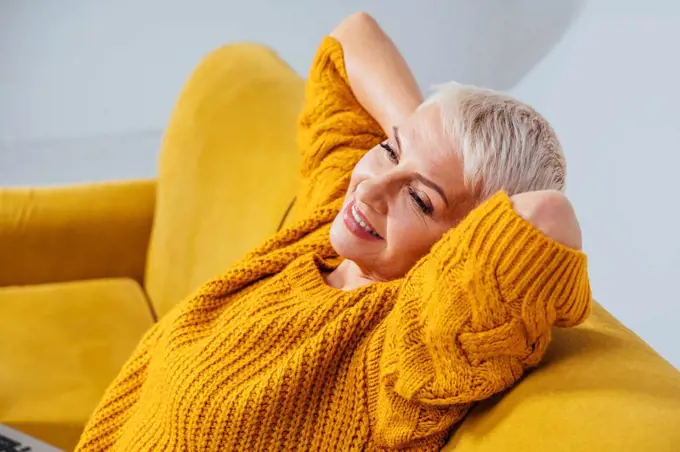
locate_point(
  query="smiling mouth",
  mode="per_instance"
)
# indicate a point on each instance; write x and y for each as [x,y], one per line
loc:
[358,224]
[365,225]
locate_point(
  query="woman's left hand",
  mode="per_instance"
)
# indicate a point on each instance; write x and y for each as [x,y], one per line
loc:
[552,213]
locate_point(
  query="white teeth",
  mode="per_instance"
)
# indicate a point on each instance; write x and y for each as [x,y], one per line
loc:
[358,219]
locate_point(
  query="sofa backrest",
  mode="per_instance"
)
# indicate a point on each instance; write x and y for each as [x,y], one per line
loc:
[228,169]
[599,388]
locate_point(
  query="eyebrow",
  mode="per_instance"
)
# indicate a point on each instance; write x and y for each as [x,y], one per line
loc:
[420,177]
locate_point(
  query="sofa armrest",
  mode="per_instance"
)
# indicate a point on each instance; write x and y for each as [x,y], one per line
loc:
[77,232]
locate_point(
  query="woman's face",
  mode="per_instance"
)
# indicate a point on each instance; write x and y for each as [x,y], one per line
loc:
[404,194]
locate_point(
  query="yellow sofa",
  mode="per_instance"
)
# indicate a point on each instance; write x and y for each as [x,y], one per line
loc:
[85,270]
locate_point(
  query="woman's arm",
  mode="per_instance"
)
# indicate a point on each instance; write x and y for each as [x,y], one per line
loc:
[358,88]
[477,311]
[378,75]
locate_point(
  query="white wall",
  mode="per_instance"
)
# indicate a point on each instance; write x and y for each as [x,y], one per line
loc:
[81,80]
[611,88]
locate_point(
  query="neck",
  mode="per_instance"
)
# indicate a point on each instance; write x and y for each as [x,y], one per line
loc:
[347,276]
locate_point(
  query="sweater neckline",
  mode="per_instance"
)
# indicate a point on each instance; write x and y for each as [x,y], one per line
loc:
[307,276]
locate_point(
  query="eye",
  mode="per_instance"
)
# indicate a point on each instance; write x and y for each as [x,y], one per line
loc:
[391,153]
[425,207]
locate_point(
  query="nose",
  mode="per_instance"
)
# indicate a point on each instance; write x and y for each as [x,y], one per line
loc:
[374,193]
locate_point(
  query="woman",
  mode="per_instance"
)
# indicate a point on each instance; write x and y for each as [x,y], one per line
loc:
[410,287]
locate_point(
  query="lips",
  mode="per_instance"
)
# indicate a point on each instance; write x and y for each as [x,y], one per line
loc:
[354,218]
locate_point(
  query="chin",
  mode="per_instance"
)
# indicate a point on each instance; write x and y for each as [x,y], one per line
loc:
[339,238]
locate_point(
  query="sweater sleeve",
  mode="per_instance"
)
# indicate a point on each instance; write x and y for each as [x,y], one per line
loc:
[334,131]
[471,317]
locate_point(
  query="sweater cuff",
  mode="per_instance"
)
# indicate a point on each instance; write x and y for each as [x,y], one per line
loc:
[548,280]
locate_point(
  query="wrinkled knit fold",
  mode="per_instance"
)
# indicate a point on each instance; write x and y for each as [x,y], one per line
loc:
[268,357]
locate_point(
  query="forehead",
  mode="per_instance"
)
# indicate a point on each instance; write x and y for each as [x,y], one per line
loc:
[429,151]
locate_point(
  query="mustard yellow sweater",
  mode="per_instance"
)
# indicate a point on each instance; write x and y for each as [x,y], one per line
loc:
[268,357]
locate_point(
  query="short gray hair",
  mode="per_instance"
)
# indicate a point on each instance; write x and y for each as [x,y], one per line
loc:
[505,144]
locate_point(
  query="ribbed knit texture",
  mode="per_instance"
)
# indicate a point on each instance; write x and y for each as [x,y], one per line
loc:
[268,357]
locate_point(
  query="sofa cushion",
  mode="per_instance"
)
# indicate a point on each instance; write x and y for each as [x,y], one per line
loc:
[600,388]
[228,169]
[62,344]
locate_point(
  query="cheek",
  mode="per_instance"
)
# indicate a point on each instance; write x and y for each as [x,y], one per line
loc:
[408,235]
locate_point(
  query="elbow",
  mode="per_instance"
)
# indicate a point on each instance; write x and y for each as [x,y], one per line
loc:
[358,22]
[361,18]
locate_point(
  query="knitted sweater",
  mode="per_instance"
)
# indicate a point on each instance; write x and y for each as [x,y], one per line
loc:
[269,357]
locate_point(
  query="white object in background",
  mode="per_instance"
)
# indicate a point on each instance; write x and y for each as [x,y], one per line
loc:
[15,441]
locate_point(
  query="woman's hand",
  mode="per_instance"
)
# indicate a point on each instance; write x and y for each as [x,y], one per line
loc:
[552,213]
[378,75]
